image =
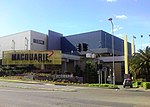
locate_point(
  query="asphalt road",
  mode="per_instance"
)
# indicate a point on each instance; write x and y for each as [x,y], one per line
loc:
[35,95]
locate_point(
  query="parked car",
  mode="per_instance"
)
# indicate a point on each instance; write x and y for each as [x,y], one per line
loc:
[127,82]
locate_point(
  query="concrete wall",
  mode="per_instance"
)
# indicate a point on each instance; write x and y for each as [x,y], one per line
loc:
[23,41]
[16,41]
[38,41]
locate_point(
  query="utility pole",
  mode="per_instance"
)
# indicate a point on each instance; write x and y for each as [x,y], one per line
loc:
[110,19]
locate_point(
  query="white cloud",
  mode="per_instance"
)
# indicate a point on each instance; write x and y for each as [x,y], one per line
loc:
[143,45]
[120,35]
[116,28]
[111,0]
[121,17]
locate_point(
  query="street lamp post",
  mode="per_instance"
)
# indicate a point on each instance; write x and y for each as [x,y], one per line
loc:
[149,39]
[141,41]
[110,19]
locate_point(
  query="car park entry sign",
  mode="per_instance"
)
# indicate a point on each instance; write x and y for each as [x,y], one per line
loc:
[31,57]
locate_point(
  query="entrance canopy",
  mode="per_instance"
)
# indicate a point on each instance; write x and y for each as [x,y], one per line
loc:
[110,59]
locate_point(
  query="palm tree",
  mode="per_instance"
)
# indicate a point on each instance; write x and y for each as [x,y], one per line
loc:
[140,63]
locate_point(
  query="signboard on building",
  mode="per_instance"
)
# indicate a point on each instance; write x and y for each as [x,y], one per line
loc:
[18,57]
[90,55]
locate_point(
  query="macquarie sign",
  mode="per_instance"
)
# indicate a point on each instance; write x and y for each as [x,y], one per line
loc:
[19,57]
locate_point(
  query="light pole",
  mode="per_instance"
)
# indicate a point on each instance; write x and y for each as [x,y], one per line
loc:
[141,41]
[133,45]
[110,19]
[149,39]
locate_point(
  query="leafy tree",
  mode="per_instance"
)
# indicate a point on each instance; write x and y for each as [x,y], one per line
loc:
[90,74]
[78,71]
[140,64]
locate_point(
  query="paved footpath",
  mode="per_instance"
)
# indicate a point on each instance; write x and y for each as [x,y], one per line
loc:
[52,87]
[133,89]
[38,86]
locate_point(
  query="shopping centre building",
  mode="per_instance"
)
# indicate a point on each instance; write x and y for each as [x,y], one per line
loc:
[58,53]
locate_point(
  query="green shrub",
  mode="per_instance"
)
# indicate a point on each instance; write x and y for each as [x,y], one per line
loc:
[111,86]
[146,85]
[11,71]
[138,84]
[104,85]
[142,84]
[42,74]
[94,85]
[135,84]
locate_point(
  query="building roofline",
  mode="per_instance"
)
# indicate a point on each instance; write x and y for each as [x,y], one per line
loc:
[21,32]
[38,32]
[54,32]
[83,33]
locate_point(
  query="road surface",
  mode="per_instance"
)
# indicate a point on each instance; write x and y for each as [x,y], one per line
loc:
[35,95]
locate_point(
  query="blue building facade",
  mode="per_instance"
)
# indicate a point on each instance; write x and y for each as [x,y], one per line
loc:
[98,42]
[54,40]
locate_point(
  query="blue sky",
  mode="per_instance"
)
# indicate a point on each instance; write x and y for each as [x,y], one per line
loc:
[130,17]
